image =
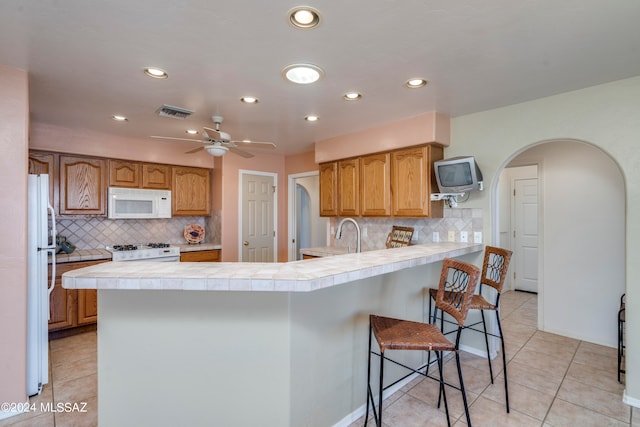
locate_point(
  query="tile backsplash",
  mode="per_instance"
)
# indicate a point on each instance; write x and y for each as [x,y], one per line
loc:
[375,230]
[94,233]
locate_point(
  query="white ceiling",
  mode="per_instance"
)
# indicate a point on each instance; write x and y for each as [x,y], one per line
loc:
[85,60]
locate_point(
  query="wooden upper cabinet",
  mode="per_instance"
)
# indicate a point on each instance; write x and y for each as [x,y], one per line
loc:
[328,189]
[375,185]
[411,182]
[124,173]
[349,187]
[156,176]
[191,191]
[44,164]
[82,186]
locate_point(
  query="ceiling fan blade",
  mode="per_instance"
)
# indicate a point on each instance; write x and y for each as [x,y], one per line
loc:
[194,150]
[238,151]
[177,139]
[222,136]
[256,144]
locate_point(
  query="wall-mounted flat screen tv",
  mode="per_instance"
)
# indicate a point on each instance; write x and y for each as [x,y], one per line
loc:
[458,175]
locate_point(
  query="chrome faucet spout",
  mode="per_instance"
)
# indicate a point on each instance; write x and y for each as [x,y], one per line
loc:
[339,231]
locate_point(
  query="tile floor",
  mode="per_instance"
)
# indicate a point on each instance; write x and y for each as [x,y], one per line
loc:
[553,381]
[72,380]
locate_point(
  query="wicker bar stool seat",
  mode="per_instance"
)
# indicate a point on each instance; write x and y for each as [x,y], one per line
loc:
[494,272]
[458,281]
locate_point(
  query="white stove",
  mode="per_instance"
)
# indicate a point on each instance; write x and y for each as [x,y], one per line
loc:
[160,252]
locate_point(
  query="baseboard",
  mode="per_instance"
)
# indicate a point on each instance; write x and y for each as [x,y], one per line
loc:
[8,414]
[631,401]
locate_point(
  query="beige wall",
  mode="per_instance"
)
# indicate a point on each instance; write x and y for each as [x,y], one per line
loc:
[14,109]
[605,116]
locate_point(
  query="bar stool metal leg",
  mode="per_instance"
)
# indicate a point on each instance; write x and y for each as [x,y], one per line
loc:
[486,341]
[504,362]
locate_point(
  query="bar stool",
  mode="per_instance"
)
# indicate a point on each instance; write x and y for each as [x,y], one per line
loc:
[494,273]
[458,281]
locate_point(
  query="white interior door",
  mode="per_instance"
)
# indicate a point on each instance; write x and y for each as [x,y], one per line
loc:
[526,234]
[258,234]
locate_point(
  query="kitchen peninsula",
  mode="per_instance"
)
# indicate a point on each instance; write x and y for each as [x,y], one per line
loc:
[278,344]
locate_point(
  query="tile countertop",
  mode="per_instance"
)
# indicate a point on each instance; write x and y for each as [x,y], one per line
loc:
[98,254]
[296,276]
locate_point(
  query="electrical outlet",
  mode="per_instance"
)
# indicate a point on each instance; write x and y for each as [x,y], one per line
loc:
[435,238]
[464,236]
[451,236]
[364,232]
[477,237]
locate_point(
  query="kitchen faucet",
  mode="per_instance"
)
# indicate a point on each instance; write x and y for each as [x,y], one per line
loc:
[339,231]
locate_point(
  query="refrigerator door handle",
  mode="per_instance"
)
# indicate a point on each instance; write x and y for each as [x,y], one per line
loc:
[52,248]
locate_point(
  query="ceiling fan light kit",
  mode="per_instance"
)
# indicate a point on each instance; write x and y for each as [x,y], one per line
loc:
[216,150]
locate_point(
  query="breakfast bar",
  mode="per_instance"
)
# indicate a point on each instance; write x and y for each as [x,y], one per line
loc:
[277,344]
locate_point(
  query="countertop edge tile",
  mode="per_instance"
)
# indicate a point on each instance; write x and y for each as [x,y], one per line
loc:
[296,276]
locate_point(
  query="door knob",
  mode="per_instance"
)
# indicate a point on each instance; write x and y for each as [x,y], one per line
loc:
[246,243]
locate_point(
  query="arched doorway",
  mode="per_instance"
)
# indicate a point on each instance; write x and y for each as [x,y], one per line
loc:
[581,218]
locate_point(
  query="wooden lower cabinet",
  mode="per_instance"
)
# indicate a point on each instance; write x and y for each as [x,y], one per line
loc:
[209,255]
[70,308]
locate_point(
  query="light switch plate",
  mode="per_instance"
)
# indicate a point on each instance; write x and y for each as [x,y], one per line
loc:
[464,236]
[477,237]
[451,236]
[435,238]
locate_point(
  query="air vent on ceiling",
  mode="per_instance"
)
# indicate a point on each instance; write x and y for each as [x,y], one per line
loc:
[173,112]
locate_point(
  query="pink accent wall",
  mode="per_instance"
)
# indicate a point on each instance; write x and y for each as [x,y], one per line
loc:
[80,141]
[227,188]
[431,127]
[14,109]
[230,190]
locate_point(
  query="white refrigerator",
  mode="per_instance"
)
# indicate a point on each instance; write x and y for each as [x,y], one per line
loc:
[41,236]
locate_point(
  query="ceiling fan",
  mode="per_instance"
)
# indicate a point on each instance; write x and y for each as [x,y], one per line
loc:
[217,142]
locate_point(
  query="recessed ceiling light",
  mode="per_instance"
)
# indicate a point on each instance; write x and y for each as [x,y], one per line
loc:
[118,118]
[352,96]
[191,131]
[415,83]
[302,73]
[156,73]
[312,118]
[304,17]
[249,99]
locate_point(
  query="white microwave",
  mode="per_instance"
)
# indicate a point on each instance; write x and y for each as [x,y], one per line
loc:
[136,203]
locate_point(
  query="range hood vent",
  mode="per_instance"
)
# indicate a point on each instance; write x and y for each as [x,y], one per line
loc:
[173,112]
